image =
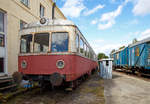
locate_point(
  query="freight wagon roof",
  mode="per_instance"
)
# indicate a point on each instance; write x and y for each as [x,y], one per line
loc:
[140,42]
[118,50]
[108,59]
[50,22]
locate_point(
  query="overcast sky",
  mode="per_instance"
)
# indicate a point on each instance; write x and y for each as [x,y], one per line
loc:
[109,24]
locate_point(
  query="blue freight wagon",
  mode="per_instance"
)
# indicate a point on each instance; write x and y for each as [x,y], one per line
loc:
[135,57]
[125,55]
[139,56]
[118,58]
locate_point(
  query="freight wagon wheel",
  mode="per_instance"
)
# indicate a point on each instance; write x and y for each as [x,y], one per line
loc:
[133,71]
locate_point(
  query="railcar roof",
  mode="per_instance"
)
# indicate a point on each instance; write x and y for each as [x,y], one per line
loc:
[140,42]
[50,22]
[54,22]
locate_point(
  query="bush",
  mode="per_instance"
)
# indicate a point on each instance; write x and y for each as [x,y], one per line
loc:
[17,76]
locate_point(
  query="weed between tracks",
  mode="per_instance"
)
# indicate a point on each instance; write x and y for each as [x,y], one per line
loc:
[89,92]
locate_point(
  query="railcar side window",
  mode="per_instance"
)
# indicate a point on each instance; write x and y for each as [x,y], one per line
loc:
[88,54]
[41,42]
[59,42]
[81,46]
[77,42]
[85,49]
[26,43]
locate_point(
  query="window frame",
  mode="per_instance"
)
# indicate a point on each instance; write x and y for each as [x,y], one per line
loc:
[23,23]
[24,2]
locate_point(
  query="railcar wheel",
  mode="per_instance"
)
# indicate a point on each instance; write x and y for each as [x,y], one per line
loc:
[133,71]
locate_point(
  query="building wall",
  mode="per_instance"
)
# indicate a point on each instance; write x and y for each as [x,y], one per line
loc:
[16,11]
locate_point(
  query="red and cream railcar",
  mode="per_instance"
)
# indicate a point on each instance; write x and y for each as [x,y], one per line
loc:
[55,51]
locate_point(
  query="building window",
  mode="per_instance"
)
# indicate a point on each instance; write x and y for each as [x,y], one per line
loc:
[22,24]
[41,11]
[1,40]
[25,2]
[1,65]
[2,34]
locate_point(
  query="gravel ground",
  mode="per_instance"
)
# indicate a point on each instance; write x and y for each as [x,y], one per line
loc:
[124,89]
[89,92]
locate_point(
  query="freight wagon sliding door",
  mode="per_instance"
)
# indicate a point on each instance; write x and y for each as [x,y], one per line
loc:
[147,54]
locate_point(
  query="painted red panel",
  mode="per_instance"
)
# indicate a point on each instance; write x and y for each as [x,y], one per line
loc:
[75,66]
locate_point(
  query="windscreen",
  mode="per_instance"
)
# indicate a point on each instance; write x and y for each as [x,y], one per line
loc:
[26,43]
[41,42]
[59,42]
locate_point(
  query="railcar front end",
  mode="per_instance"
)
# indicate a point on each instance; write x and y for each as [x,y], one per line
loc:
[55,53]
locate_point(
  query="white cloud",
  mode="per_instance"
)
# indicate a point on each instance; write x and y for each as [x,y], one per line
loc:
[142,7]
[106,26]
[89,12]
[144,34]
[103,46]
[94,22]
[109,18]
[73,8]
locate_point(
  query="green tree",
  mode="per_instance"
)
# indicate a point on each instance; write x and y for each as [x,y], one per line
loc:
[101,56]
[134,40]
[113,50]
[122,47]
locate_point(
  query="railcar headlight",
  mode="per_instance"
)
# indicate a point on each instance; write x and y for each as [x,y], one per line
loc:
[43,20]
[24,64]
[60,64]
